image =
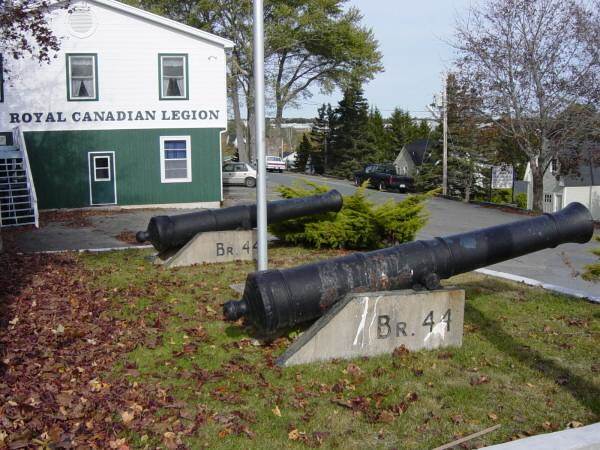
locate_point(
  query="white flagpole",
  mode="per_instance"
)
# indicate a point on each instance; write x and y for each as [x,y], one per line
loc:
[259,111]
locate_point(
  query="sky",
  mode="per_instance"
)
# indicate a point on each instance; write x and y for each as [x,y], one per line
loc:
[413,36]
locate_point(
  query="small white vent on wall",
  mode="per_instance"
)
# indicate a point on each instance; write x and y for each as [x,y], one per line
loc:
[82,20]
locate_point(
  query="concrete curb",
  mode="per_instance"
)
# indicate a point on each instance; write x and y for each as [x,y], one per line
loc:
[88,250]
[584,438]
[536,283]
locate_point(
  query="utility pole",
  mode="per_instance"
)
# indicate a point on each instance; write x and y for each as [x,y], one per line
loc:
[441,115]
[259,139]
[445,132]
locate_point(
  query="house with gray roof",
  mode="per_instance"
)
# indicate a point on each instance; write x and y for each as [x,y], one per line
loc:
[411,157]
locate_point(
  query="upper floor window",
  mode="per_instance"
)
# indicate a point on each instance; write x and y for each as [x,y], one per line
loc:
[82,77]
[554,165]
[173,76]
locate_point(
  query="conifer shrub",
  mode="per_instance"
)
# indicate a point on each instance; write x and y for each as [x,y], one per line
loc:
[359,225]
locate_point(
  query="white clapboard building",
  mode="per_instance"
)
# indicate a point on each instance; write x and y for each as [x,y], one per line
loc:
[130,112]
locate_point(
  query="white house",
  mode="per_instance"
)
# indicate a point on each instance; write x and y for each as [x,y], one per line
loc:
[581,185]
[129,113]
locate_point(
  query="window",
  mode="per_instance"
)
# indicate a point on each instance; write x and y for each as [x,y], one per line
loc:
[547,198]
[175,159]
[1,79]
[173,77]
[240,167]
[228,168]
[102,168]
[82,77]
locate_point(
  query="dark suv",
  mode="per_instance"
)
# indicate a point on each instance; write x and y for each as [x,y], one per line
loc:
[383,177]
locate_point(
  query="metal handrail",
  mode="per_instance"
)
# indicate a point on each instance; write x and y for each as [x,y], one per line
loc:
[23,147]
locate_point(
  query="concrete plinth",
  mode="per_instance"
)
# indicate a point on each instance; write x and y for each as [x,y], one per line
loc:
[374,323]
[213,247]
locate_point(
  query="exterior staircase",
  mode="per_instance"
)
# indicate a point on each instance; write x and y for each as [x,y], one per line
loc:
[18,200]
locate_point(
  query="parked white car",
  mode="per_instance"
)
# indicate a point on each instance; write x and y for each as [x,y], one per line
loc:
[239,173]
[275,163]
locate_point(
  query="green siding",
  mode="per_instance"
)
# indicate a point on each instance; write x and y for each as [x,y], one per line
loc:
[59,165]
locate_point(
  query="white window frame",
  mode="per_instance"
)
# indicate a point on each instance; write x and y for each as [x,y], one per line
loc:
[108,167]
[71,96]
[188,148]
[163,95]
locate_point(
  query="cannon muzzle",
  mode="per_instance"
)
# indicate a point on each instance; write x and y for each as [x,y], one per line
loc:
[166,232]
[276,299]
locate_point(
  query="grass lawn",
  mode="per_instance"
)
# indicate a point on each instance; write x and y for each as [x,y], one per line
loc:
[171,373]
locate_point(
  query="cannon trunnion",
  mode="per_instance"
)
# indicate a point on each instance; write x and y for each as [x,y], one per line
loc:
[276,299]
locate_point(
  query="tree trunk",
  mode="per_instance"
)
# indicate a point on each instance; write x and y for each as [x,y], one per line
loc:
[251,137]
[278,122]
[239,124]
[467,198]
[537,177]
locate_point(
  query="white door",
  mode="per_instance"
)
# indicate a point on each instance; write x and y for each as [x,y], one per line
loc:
[548,203]
[559,202]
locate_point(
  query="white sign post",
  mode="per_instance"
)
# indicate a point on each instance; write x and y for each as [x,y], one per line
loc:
[502,177]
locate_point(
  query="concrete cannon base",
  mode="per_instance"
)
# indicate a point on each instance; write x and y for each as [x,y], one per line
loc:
[212,247]
[375,323]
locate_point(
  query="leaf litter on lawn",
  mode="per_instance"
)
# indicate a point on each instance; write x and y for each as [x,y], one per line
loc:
[57,340]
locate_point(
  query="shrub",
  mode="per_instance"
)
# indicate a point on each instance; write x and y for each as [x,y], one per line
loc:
[521,200]
[592,271]
[505,197]
[502,196]
[360,224]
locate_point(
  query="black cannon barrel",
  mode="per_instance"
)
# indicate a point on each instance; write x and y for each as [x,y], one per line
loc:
[275,299]
[166,232]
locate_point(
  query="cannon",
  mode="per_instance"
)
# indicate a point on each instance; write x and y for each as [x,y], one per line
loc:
[275,299]
[167,232]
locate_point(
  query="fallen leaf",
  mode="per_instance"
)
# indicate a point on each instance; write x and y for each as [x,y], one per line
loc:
[411,397]
[549,426]
[127,417]
[400,351]
[574,424]
[276,411]
[457,418]
[493,416]
[294,435]
[385,416]
[481,379]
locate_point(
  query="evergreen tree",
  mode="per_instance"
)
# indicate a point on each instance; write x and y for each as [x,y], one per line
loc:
[423,131]
[320,137]
[350,148]
[403,130]
[303,154]
[379,137]
[401,125]
[470,151]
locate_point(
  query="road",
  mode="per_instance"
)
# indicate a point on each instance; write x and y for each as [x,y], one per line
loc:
[558,266]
